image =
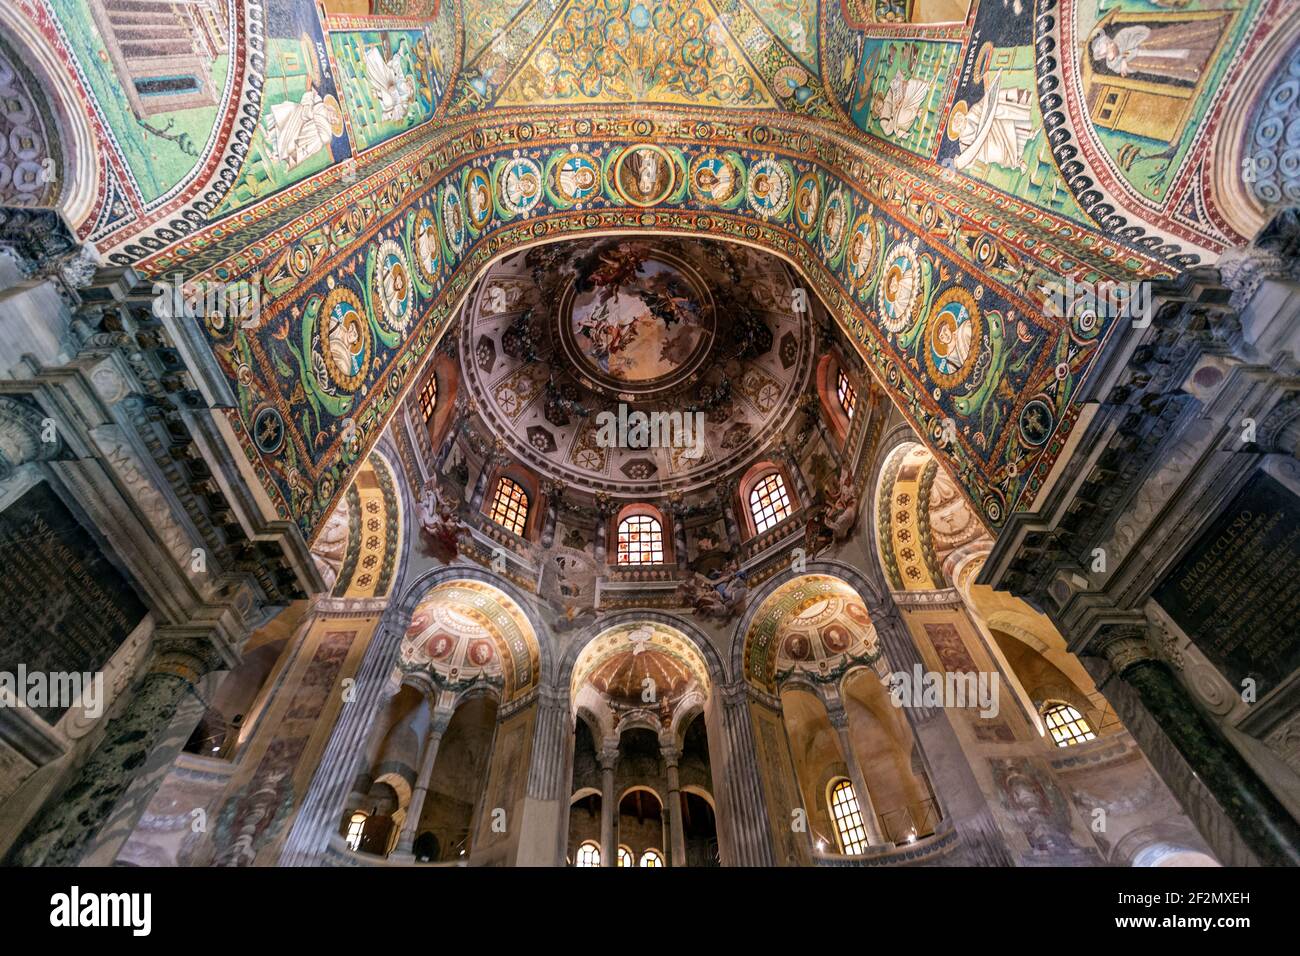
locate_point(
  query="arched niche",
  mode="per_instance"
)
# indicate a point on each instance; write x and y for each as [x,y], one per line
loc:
[642,693]
[359,550]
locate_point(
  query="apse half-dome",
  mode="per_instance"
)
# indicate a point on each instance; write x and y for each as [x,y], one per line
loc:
[559,334]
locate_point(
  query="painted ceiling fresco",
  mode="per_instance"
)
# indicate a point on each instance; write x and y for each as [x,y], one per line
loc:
[357,549]
[196,122]
[926,178]
[559,334]
[618,662]
[719,53]
[921,519]
[814,627]
[463,632]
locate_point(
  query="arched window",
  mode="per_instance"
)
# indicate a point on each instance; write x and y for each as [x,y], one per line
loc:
[640,540]
[849,829]
[356,825]
[509,506]
[625,857]
[588,855]
[1066,725]
[651,858]
[769,502]
[848,395]
[429,397]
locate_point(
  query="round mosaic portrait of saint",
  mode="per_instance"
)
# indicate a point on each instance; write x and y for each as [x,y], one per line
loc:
[636,320]
[645,175]
[344,338]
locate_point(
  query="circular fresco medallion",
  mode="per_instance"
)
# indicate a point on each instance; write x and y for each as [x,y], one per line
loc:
[478,197]
[807,201]
[521,185]
[453,219]
[645,175]
[769,187]
[715,179]
[836,638]
[393,286]
[862,249]
[481,653]
[798,647]
[858,612]
[634,321]
[897,296]
[834,223]
[577,177]
[427,256]
[344,339]
[439,646]
[953,337]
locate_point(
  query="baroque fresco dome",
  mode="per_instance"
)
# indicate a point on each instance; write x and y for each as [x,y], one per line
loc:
[556,336]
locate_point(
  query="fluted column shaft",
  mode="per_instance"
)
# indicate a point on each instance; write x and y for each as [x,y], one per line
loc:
[66,828]
[677,835]
[608,811]
[410,826]
[840,721]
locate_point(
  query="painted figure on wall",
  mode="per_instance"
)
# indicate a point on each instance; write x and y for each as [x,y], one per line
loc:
[1175,53]
[389,84]
[898,107]
[994,129]
[297,131]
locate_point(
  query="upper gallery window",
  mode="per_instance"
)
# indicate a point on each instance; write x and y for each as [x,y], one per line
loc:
[429,397]
[640,540]
[588,855]
[651,858]
[769,503]
[848,395]
[356,825]
[509,506]
[624,856]
[848,818]
[1066,725]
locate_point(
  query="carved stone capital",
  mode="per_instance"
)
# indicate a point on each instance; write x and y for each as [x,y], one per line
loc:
[1123,647]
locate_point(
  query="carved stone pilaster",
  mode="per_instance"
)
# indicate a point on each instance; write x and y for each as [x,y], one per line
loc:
[68,826]
[23,436]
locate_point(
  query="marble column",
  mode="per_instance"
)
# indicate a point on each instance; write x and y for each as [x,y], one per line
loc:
[840,721]
[411,825]
[727,491]
[608,758]
[677,835]
[550,773]
[741,792]
[490,464]
[1259,818]
[553,490]
[678,510]
[796,476]
[604,508]
[66,828]
[320,811]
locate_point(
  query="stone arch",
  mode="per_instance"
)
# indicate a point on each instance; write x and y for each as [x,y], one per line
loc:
[531,665]
[921,519]
[873,598]
[360,551]
[718,674]
[80,160]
